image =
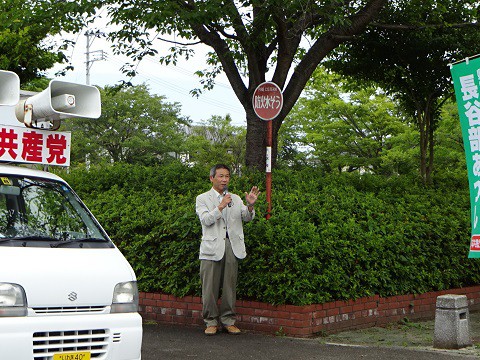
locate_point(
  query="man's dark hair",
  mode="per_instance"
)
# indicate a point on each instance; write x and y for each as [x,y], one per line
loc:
[214,169]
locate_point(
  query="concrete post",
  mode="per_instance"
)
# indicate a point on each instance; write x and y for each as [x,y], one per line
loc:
[452,328]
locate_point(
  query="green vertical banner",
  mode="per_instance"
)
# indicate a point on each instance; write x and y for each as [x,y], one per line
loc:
[466,79]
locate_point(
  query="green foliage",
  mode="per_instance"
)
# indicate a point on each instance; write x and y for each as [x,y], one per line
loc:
[252,27]
[135,127]
[410,47]
[411,44]
[347,127]
[217,141]
[330,237]
[25,27]
[450,153]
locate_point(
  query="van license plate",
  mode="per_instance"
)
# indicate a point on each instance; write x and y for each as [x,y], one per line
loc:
[72,356]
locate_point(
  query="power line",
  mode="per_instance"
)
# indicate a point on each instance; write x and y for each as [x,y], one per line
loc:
[150,76]
[175,88]
[184,71]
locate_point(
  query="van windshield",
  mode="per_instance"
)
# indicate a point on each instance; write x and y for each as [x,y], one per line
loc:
[43,212]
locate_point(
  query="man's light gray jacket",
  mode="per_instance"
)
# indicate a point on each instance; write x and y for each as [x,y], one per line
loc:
[215,227]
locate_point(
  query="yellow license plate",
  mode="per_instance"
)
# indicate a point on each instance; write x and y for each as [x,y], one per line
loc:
[72,356]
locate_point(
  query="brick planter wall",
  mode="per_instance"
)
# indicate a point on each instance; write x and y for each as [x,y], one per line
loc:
[307,320]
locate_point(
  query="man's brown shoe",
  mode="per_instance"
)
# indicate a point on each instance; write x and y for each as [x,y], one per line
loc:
[211,330]
[232,330]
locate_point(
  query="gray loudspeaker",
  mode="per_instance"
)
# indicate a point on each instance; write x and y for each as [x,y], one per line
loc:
[62,100]
[9,88]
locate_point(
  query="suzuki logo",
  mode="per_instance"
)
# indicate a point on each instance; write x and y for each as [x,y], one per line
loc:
[72,296]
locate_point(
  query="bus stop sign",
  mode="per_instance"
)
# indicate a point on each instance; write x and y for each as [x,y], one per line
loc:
[267,101]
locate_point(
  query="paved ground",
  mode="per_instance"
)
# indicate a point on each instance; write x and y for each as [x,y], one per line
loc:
[398,341]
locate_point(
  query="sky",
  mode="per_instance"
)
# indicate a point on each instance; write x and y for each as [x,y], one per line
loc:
[173,82]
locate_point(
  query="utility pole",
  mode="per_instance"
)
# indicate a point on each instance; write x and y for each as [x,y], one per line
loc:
[97,54]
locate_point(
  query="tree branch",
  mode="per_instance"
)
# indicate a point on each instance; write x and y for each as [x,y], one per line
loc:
[288,43]
[237,22]
[178,43]
[421,27]
[323,46]
[213,40]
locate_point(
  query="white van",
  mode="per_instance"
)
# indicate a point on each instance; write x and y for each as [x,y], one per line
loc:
[66,291]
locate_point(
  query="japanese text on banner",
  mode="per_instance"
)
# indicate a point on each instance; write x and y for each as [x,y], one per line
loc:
[466,78]
[34,146]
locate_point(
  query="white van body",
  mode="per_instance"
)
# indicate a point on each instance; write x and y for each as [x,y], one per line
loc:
[65,294]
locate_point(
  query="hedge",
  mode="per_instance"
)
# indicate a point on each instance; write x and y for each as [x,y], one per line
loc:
[330,237]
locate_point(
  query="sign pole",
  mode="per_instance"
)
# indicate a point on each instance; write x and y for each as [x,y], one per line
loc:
[268,169]
[267,103]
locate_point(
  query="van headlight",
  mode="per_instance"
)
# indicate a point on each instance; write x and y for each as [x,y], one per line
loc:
[13,301]
[125,297]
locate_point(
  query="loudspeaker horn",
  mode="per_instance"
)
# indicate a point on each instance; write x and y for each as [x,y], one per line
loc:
[60,100]
[9,88]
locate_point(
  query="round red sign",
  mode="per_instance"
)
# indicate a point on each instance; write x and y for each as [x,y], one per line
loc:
[267,100]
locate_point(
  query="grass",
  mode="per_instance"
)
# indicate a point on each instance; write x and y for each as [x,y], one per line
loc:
[405,333]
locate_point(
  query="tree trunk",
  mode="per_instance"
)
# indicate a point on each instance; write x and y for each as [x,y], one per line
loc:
[429,113]
[256,141]
[423,145]
[426,128]
[256,152]
[431,144]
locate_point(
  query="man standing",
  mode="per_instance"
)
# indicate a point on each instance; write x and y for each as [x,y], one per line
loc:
[221,215]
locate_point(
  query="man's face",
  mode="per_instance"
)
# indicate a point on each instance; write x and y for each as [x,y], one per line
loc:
[220,180]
